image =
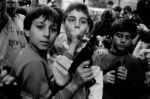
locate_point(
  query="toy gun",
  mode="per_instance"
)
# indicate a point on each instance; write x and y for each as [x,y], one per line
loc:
[87,52]
[114,65]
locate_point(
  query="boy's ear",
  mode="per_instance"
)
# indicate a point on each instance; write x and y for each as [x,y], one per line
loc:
[26,33]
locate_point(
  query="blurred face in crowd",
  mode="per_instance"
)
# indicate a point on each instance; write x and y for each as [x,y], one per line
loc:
[42,33]
[11,7]
[76,21]
[121,41]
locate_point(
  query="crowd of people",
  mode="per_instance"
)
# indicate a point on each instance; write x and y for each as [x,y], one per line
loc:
[38,46]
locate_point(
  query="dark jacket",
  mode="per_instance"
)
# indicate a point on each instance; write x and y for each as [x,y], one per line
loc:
[132,87]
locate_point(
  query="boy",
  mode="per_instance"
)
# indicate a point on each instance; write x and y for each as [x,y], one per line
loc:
[76,23]
[31,68]
[123,75]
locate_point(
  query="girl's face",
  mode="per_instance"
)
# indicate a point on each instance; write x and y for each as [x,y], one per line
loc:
[42,33]
[76,21]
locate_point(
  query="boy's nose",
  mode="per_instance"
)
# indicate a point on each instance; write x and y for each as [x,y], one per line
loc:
[77,24]
[46,33]
[123,39]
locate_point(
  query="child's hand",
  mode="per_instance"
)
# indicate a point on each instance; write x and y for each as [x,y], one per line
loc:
[147,58]
[83,74]
[109,77]
[142,27]
[147,81]
[122,73]
[6,79]
[76,36]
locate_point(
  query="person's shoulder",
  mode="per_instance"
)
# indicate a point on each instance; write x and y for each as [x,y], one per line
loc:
[99,57]
[10,22]
[8,26]
[133,58]
[27,55]
[62,35]
[20,16]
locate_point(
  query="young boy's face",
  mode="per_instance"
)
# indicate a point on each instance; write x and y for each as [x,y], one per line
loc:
[122,41]
[42,33]
[76,20]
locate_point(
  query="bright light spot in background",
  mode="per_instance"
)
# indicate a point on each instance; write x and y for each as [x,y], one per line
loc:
[65,3]
[43,2]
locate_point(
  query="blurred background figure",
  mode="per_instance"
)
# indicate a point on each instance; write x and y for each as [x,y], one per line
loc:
[126,11]
[109,4]
[142,49]
[143,8]
[117,10]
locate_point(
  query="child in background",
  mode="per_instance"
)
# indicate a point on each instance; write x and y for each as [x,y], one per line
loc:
[123,73]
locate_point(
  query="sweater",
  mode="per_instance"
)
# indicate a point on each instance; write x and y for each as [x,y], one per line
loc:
[132,87]
[35,78]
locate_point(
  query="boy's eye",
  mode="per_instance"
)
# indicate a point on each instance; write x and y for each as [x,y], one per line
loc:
[71,19]
[119,35]
[40,27]
[53,29]
[128,37]
[83,21]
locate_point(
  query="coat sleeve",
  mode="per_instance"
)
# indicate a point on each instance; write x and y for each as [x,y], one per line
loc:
[135,80]
[35,81]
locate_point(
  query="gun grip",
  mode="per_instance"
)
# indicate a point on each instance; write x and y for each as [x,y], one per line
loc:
[90,83]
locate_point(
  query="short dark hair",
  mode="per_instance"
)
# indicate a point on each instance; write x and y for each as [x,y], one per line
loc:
[110,2]
[124,25]
[60,18]
[79,7]
[47,12]
[127,8]
[117,8]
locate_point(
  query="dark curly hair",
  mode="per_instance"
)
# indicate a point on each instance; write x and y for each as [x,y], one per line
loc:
[124,25]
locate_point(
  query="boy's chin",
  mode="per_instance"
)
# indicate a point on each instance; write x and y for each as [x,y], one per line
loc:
[44,48]
[122,50]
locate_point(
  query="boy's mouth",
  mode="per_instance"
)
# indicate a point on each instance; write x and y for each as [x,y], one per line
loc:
[121,46]
[45,43]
